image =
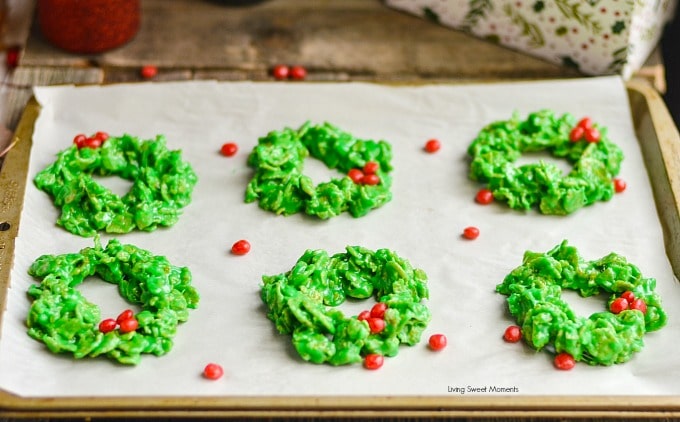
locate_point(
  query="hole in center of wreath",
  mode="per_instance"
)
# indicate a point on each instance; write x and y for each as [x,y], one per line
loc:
[115,184]
[537,156]
[106,296]
[319,172]
[585,306]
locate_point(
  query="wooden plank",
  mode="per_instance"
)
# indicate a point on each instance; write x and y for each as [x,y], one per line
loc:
[361,39]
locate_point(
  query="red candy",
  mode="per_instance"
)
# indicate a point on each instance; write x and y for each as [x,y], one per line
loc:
[241,247]
[129,325]
[213,371]
[79,140]
[640,305]
[471,233]
[102,136]
[433,145]
[125,315]
[512,334]
[364,315]
[564,361]
[585,123]
[371,179]
[107,325]
[576,134]
[628,295]
[619,185]
[376,325]
[373,361]
[92,143]
[229,149]
[356,175]
[298,73]
[280,72]
[592,135]
[618,305]
[148,71]
[378,310]
[437,342]
[484,196]
[585,129]
[371,167]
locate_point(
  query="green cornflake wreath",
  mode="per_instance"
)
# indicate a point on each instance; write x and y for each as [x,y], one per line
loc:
[62,318]
[281,187]
[604,338]
[161,185]
[298,303]
[501,143]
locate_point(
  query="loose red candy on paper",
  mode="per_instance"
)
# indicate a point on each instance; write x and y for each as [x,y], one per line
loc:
[373,361]
[484,196]
[107,325]
[564,361]
[619,185]
[618,305]
[433,145]
[471,233]
[229,149]
[512,334]
[437,342]
[213,371]
[241,247]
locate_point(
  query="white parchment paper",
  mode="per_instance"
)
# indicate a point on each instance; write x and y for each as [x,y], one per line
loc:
[433,202]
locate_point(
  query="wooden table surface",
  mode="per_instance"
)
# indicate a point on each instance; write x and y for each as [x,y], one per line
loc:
[335,40]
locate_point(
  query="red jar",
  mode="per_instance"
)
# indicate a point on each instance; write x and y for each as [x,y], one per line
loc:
[88,26]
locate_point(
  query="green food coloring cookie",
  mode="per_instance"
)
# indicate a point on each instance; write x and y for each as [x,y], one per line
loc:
[302,301]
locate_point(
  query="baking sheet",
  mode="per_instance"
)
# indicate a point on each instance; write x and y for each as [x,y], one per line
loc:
[433,202]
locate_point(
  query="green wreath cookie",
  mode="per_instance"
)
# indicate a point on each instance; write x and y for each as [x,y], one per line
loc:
[604,338]
[595,159]
[300,303]
[161,185]
[281,187]
[62,318]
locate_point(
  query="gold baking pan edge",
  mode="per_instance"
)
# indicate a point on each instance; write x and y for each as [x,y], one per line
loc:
[660,144]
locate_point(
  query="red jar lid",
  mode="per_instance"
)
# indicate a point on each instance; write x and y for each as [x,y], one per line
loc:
[88,26]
